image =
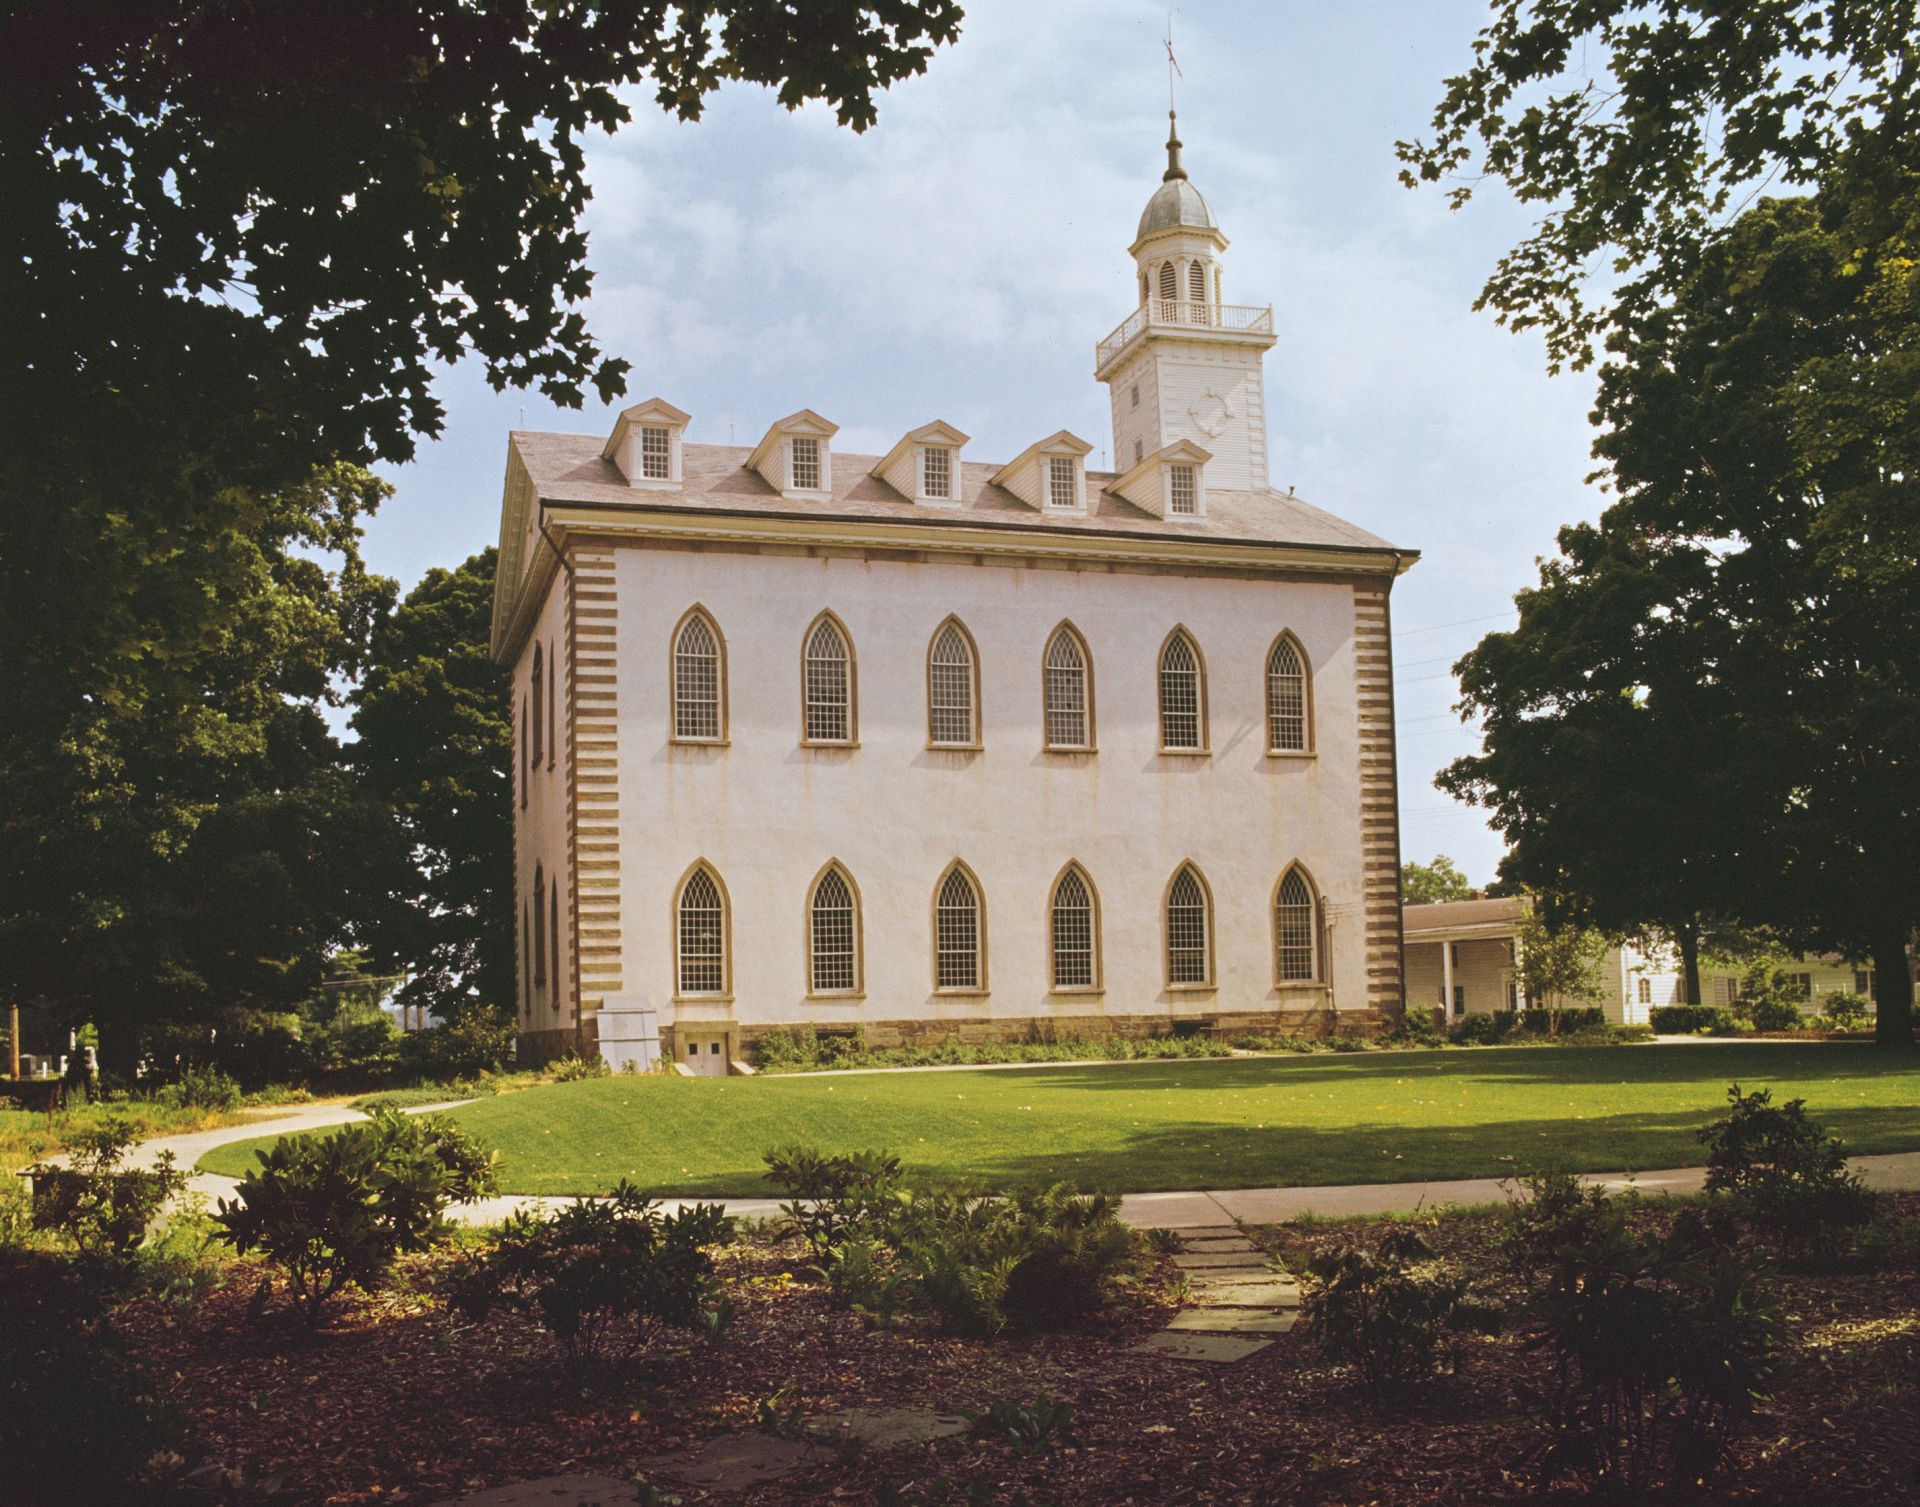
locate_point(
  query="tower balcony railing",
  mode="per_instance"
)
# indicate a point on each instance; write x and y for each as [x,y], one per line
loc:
[1186,314]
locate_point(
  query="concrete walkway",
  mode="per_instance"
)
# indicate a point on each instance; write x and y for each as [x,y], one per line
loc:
[1895,1172]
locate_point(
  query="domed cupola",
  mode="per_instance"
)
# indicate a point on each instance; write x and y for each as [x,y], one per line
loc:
[1176,204]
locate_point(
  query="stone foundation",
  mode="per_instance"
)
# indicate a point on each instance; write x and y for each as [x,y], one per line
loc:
[536,1047]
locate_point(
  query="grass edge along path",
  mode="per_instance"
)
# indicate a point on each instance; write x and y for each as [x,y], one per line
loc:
[1210,1123]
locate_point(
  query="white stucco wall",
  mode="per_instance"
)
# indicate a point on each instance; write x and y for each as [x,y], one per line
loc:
[768,813]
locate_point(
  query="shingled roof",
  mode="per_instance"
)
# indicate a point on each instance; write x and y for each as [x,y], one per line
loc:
[571,469]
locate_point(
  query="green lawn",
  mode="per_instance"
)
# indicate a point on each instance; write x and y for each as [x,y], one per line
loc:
[1378,1117]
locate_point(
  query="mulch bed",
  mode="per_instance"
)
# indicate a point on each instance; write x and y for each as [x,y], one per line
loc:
[399,1400]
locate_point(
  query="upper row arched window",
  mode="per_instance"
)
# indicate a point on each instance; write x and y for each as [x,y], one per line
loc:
[830,693]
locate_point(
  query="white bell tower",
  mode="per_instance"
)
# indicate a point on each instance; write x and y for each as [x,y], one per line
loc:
[1186,365]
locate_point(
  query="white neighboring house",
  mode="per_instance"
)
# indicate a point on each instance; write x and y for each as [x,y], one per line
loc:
[939,747]
[1461,953]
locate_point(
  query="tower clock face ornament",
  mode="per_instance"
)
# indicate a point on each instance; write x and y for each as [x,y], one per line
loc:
[1211,414]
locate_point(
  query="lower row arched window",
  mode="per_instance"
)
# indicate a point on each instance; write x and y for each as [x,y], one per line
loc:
[834,941]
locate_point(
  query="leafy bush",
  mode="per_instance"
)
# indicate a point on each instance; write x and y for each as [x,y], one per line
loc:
[1787,1178]
[338,1209]
[801,1050]
[1774,1012]
[1688,1020]
[1036,1261]
[572,1069]
[834,1197]
[104,1206]
[78,1419]
[1661,1346]
[1385,1309]
[1416,1027]
[1846,1012]
[1029,1426]
[1474,1031]
[478,1041]
[862,1275]
[602,1277]
[1280,1042]
[201,1087]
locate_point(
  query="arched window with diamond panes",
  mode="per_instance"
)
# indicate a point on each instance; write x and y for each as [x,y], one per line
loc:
[699,680]
[953,691]
[1296,929]
[833,933]
[1189,930]
[1289,724]
[827,683]
[959,933]
[1183,695]
[1074,931]
[700,930]
[1067,687]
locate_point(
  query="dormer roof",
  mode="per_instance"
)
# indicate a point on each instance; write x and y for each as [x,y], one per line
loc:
[901,468]
[654,411]
[806,421]
[1145,485]
[1061,442]
[939,432]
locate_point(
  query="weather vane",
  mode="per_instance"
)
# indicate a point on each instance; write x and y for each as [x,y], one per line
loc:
[1173,63]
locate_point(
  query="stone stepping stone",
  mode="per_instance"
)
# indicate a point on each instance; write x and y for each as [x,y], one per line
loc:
[886,1428]
[1232,1321]
[1246,1295]
[1222,1349]
[1221,1260]
[1216,1244]
[554,1491]
[731,1462]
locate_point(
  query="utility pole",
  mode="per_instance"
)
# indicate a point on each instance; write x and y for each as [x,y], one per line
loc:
[13,1038]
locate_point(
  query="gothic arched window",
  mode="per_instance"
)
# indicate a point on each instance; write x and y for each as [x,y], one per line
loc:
[1287,719]
[1074,931]
[1068,690]
[833,934]
[538,704]
[952,689]
[539,931]
[957,932]
[828,684]
[1183,696]
[700,933]
[699,680]
[1189,929]
[1296,931]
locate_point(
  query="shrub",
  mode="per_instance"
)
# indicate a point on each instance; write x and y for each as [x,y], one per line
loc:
[201,1087]
[1774,1012]
[1661,1346]
[104,1206]
[339,1209]
[1688,1020]
[78,1419]
[602,1277]
[1846,1012]
[1787,1178]
[861,1275]
[834,1197]
[1474,1030]
[478,1041]
[572,1069]
[1384,1309]
[1279,1042]
[1416,1027]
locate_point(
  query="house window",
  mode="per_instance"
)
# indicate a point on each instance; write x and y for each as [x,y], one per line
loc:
[833,953]
[1182,495]
[1073,927]
[1725,990]
[1643,991]
[553,913]
[1134,391]
[1197,282]
[1169,284]
[1069,722]
[957,933]
[1181,720]
[1800,984]
[526,957]
[1459,999]
[829,686]
[1187,951]
[702,924]
[1294,929]
[1061,492]
[539,710]
[553,722]
[936,472]
[539,931]
[1286,698]
[697,681]
[525,717]
[654,454]
[1863,982]
[950,717]
[804,466]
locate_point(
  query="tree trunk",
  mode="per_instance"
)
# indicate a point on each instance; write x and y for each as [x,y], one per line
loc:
[1892,987]
[1689,939]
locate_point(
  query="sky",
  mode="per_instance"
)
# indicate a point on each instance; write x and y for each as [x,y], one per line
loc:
[961,259]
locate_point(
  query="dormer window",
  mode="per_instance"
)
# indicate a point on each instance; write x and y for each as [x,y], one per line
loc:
[804,463]
[936,472]
[1061,491]
[1182,492]
[795,456]
[655,453]
[645,444]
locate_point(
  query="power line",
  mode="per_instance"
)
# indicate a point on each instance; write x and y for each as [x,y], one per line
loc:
[1461,623]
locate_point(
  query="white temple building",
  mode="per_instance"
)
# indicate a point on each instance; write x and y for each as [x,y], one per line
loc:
[934,745]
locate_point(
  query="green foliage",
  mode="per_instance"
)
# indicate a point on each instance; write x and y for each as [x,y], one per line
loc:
[1416,1028]
[339,1209]
[1557,963]
[1429,883]
[1495,1026]
[1280,1042]
[200,1087]
[572,1069]
[1385,1308]
[477,1041]
[78,1419]
[1845,1011]
[603,1277]
[1030,1427]
[1688,1020]
[1661,1345]
[834,1196]
[802,1049]
[103,1206]
[862,1274]
[1787,1179]
[1164,1241]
